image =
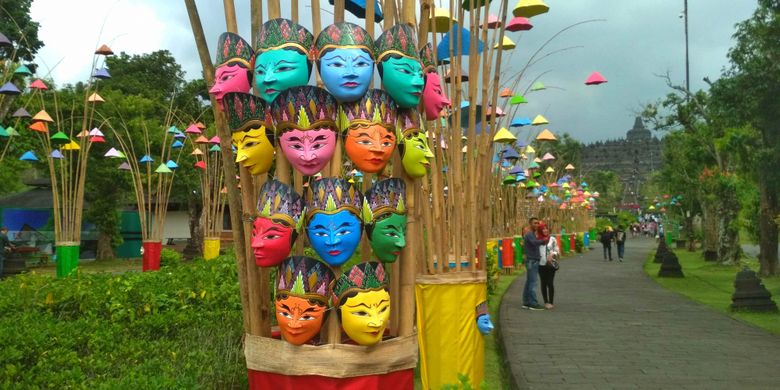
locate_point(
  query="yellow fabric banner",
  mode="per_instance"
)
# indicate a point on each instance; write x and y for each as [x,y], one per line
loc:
[210,248]
[450,343]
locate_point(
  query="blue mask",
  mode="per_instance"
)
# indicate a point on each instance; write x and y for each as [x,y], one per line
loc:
[346,73]
[334,237]
[278,70]
[484,324]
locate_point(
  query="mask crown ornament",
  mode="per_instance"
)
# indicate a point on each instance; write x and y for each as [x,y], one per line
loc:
[383,198]
[375,108]
[343,35]
[281,33]
[400,40]
[305,277]
[280,203]
[331,195]
[409,123]
[369,276]
[398,62]
[427,58]
[245,111]
[232,48]
[303,108]
[345,59]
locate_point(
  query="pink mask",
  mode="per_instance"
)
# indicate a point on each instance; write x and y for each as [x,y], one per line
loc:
[229,78]
[308,151]
[434,99]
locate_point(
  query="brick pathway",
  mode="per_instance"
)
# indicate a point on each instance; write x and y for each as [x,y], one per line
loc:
[613,327]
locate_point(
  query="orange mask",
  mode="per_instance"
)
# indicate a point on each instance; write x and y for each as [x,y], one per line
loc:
[370,148]
[299,319]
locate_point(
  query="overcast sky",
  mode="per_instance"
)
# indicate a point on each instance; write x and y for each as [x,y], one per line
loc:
[638,39]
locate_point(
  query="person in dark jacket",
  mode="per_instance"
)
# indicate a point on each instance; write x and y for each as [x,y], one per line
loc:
[5,247]
[607,236]
[620,240]
[532,245]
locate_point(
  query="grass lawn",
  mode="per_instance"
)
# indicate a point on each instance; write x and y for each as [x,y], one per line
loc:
[494,362]
[116,266]
[713,285]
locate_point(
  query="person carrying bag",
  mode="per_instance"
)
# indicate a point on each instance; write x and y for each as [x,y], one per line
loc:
[548,266]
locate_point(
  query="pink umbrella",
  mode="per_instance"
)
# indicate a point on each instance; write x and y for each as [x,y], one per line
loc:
[519,23]
[595,78]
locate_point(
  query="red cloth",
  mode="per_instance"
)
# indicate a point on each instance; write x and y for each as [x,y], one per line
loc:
[398,380]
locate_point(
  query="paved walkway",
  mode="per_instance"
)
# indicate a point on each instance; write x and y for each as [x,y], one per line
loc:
[613,327]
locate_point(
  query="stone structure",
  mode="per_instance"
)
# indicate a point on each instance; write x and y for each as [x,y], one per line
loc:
[632,159]
[750,294]
[670,265]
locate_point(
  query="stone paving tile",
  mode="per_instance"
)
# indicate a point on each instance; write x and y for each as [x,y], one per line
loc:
[613,327]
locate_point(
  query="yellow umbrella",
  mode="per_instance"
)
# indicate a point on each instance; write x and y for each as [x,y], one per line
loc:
[569,167]
[71,146]
[503,135]
[506,44]
[529,149]
[549,170]
[539,120]
[530,8]
[440,20]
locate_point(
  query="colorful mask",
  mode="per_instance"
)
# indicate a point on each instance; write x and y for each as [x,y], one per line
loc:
[433,97]
[364,302]
[302,293]
[252,135]
[345,59]
[385,215]
[484,324]
[282,57]
[334,224]
[280,211]
[233,66]
[399,65]
[305,123]
[369,124]
[414,143]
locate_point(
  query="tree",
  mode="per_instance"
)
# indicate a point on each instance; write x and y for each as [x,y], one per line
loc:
[609,187]
[747,95]
[21,30]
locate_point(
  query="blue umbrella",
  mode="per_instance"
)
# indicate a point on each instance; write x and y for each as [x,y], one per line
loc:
[146,159]
[171,164]
[28,156]
[102,74]
[510,153]
[520,122]
[443,48]
[9,89]
[358,8]
[177,144]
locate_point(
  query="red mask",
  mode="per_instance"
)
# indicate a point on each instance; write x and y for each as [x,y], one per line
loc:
[271,242]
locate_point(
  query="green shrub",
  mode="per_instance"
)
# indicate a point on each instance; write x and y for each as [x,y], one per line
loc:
[170,258]
[579,242]
[180,327]
[493,273]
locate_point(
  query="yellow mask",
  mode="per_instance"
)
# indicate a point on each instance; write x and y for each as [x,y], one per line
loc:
[364,317]
[255,151]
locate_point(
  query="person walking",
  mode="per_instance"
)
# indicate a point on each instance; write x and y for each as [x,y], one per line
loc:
[532,245]
[607,236]
[5,247]
[620,240]
[548,265]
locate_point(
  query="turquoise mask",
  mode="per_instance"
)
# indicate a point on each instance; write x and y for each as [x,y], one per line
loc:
[403,80]
[277,70]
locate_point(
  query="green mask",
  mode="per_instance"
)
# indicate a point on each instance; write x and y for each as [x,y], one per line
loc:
[415,155]
[278,70]
[388,237]
[403,80]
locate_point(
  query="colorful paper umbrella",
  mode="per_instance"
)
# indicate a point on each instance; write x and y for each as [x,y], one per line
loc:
[21,113]
[546,135]
[569,167]
[197,152]
[215,148]
[506,92]
[549,170]
[177,144]
[538,86]
[22,69]
[510,153]
[97,139]
[516,170]
[193,129]
[499,112]
[172,129]
[530,8]
[520,122]
[548,156]
[529,149]
[358,8]
[104,50]
[102,74]
[171,164]
[9,89]
[200,125]
[595,78]
[509,179]
[443,48]
[441,19]
[38,84]
[215,140]
[146,159]
[473,4]
[506,44]
[71,146]
[533,165]
[125,166]
[163,169]
[44,116]
[464,76]
[179,135]
[56,154]
[517,99]
[493,22]
[95,98]
[3,132]
[537,160]
[539,120]
[200,164]
[201,140]
[28,156]
[4,41]
[82,134]
[60,138]
[504,136]
[96,132]
[113,153]
[519,23]
[39,127]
